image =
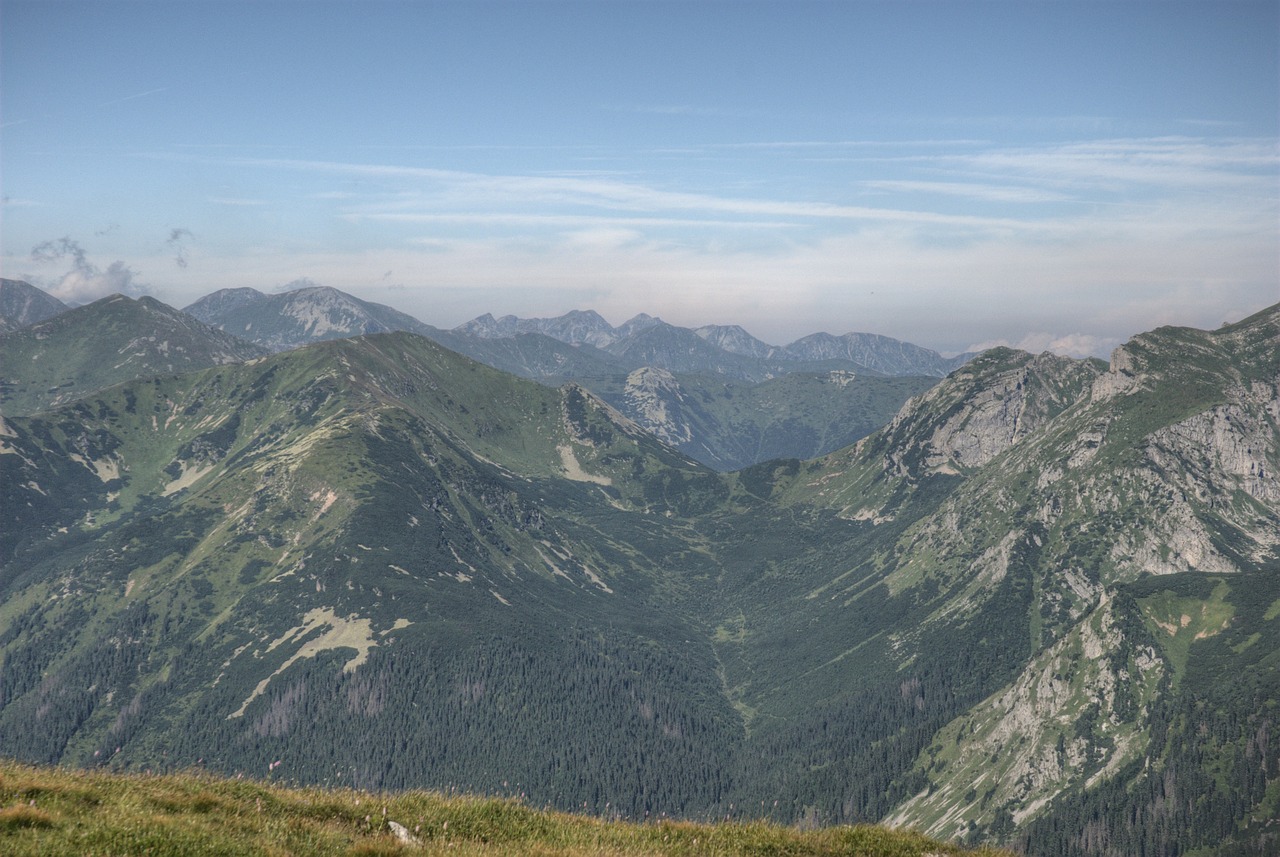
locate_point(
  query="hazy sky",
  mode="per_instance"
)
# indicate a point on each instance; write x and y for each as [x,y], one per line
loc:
[1045,174]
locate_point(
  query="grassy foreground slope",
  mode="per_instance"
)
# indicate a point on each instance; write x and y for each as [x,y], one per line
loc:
[54,811]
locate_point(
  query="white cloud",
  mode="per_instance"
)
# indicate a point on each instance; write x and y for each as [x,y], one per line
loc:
[1087,294]
[84,282]
[602,239]
[991,193]
[477,189]
[85,286]
[1169,165]
[1124,235]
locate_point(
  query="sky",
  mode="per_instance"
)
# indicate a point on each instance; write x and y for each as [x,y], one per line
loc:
[1048,174]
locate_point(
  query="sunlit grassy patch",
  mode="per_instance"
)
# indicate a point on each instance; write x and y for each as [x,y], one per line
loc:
[50,811]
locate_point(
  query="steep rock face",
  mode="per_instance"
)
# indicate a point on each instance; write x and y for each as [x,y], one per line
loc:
[1162,465]
[1174,472]
[653,397]
[1232,447]
[1013,406]
[1074,715]
[1217,474]
[987,406]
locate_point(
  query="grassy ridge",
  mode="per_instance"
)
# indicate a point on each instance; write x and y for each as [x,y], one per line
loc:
[47,811]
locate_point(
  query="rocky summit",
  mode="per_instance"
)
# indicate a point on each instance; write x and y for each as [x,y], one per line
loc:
[1038,606]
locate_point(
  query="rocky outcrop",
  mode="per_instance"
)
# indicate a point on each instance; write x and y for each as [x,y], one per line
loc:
[1076,713]
[983,410]
[1232,447]
[653,397]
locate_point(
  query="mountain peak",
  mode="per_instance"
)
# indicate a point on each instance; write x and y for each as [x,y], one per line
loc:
[576,327]
[22,304]
[289,319]
[734,339]
[111,340]
[222,301]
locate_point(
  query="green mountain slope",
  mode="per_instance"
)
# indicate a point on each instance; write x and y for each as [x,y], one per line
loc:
[722,422]
[109,341]
[729,424]
[359,528]
[980,592]
[1038,607]
[295,318]
[22,304]
[1164,466]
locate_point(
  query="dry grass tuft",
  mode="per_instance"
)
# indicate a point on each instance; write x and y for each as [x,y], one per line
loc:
[52,811]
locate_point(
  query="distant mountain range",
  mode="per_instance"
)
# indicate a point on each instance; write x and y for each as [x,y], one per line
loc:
[714,393]
[648,341]
[291,319]
[1038,606]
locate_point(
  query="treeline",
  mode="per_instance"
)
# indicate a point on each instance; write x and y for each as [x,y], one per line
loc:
[1214,775]
[604,725]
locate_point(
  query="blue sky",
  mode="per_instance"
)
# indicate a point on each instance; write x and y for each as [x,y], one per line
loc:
[1045,174]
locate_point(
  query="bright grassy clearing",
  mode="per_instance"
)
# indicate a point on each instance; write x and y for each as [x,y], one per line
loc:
[49,811]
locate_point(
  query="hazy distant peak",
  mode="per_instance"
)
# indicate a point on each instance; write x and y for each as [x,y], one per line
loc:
[320,293]
[484,326]
[223,301]
[881,353]
[586,315]
[291,318]
[22,304]
[734,339]
[575,327]
[637,323]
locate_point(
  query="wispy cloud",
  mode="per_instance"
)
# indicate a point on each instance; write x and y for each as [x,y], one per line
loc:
[134,96]
[237,201]
[805,146]
[1085,242]
[681,110]
[969,190]
[177,241]
[598,193]
[85,281]
[560,220]
[1166,164]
